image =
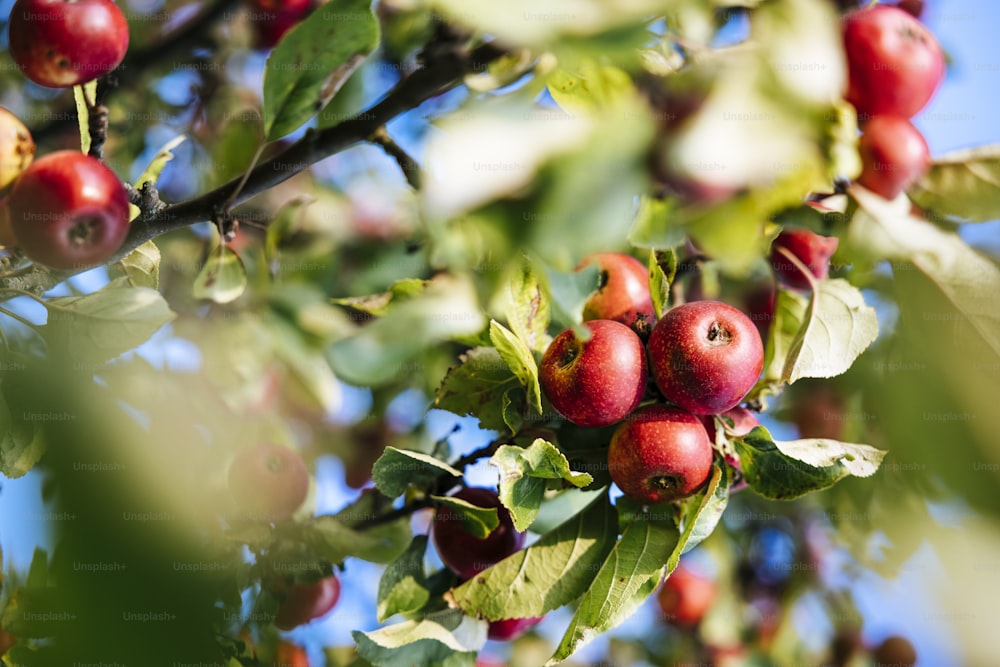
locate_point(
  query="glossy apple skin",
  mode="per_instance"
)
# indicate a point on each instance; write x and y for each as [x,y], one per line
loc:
[894,63]
[268,482]
[271,19]
[660,454]
[623,292]
[894,156]
[511,628]
[69,211]
[306,602]
[57,43]
[706,356]
[463,553]
[810,248]
[17,148]
[597,382]
[686,597]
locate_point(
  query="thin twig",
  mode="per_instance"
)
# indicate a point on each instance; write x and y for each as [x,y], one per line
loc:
[409,166]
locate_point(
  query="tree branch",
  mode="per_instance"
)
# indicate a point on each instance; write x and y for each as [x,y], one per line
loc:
[424,84]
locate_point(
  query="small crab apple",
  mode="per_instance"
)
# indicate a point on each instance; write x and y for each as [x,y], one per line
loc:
[660,454]
[894,155]
[69,211]
[17,148]
[462,552]
[737,421]
[511,628]
[622,292]
[894,64]
[811,249]
[63,43]
[303,603]
[705,356]
[686,597]
[269,482]
[595,382]
[271,19]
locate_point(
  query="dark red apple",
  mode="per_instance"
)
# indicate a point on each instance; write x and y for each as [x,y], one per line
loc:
[622,292]
[596,382]
[706,356]
[737,421]
[462,552]
[811,249]
[894,63]
[271,19]
[303,603]
[895,651]
[894,155]
[268,482]
[64,43]
[660,454]
[686,597]
[69,211]
[17,148]
[511,628]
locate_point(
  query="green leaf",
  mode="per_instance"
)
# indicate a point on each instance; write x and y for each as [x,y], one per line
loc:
[478,521]
[21,444]
[773,474]
[838,326]
[140,268]
[100,326]
[789,313]
[524,476]
[654,225]
[151,174]
[397,470]
[402,589]
[859,460]
[590,87]
[964,184]
[478,386]
[81,94]
[569,291]
[312,62]
[662,271]
[223,278]
[518,357]
[629,575]
[310,374]
[967,279]
[425,643]
[552,572]
[379,304]
[336,537]
[528,307]
[447,309]
[700,514]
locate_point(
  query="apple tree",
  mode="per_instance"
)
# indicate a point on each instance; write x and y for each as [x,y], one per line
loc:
[681,276]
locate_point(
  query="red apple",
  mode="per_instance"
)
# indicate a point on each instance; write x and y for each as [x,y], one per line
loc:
[303,603]
[511,628]
[63,43]
[895,651]
[686,597]
[268,482]
[660,454]
[894,155]
[596,382]
[462,552]
[811,249]
[271,19]
[290,655]
[894,63]
[17,148]
[706,356]
[622,292]
[737,422]
[69,211]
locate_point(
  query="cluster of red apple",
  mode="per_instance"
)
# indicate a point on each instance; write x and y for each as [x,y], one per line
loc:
[704,357]
[894,67]
[67,210]
[270,482]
